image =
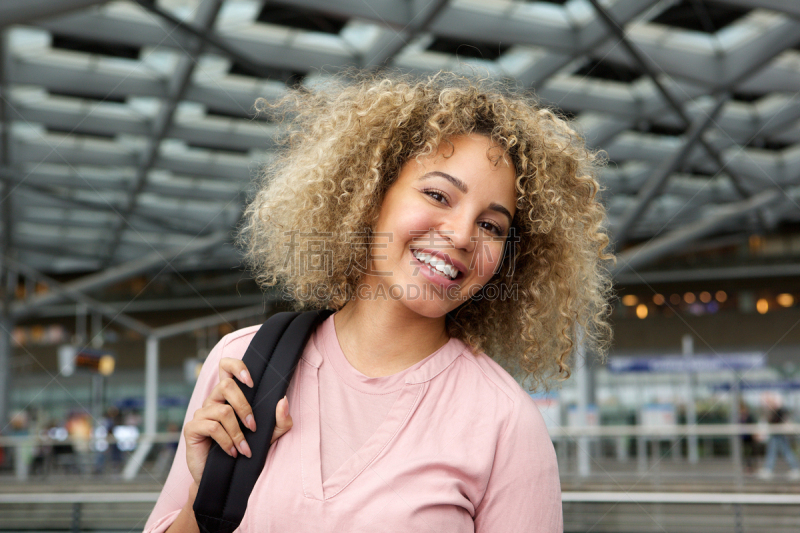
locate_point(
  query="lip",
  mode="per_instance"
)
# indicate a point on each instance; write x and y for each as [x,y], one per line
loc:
[438,279]
[444,257]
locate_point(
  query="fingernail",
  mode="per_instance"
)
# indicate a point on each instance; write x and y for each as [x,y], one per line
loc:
[244,376]
[286,407]
[245,448]
[250,422]
[232,451]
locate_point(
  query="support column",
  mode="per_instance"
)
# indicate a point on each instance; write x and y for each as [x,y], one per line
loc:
[582,382]
[691,405]
[562,444]
[150,409]
[5,368]
[641,439]
[736,440]
[151,386]
[6,322]
[81,331]
[97,330]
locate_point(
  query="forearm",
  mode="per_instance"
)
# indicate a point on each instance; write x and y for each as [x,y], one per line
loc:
[185,521]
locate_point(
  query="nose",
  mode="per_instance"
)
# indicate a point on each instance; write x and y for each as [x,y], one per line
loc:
[460,231]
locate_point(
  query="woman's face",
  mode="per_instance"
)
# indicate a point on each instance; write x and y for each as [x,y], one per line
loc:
[453,208]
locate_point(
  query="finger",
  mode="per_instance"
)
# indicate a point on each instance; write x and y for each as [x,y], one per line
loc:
[228,392]
[201,429]
[283,420]
[230,367]
[227,418]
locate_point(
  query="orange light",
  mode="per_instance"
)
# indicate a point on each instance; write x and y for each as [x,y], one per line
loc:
[721,296]
[37,333]
[705,297]
[675,299]
[785,300]
[658,299]
[641,311]
[762,306]
[689,298]
[629,300]
[106,365]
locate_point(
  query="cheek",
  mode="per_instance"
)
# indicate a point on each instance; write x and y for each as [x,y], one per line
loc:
[488,257]
[410,224]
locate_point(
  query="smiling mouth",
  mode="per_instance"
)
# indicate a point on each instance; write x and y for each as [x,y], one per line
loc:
[438,266]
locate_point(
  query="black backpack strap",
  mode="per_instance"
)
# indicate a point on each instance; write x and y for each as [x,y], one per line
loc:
[271,358]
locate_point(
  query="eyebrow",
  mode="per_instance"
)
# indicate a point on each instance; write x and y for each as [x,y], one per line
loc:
[461,186]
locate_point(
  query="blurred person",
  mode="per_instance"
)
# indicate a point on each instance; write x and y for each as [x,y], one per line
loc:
[80,431]
[43,455]
[779,443]
[116,451]
[23,453]
[405,422]
[133,418]
[107,446]
[56,448]
[167,452]
[748,442]
[172,427]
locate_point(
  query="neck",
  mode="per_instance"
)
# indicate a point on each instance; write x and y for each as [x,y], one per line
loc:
[384,337]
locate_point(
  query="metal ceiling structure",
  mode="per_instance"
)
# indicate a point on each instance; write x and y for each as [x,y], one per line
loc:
[128,128]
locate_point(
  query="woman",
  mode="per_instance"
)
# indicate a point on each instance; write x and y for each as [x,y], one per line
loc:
[444,219]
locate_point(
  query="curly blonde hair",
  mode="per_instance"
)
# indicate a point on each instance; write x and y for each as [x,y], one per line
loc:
[344,146]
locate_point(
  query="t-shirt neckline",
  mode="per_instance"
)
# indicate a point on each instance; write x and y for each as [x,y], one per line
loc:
[328,344]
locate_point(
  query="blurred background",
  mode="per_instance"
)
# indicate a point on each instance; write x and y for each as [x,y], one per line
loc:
[128,145]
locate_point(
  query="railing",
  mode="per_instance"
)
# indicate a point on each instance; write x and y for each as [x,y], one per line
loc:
[38,440]
[678,430]
[562,436]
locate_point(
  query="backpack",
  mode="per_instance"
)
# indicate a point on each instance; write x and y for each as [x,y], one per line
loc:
[271,358]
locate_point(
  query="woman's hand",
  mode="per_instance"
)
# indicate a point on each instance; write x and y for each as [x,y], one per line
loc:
[217,419]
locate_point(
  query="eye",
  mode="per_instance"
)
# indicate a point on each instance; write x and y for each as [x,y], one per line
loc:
[494,228]
[433,193]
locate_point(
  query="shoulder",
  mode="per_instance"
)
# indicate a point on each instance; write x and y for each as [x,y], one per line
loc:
[231,345]
[522,482]
[235,344]
[494,385]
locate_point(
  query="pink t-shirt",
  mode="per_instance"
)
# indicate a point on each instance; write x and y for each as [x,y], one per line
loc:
[451,444]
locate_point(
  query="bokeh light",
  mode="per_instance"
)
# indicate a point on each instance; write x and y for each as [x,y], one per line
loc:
[630,300]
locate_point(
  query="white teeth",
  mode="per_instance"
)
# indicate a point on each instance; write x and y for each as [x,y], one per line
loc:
[438,264]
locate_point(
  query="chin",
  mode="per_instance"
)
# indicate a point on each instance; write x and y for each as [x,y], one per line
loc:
[428,309]
[436,308]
